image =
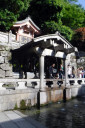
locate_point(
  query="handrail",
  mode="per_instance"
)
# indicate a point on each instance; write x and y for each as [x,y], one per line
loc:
[19,80]
[76,79]
[55,82]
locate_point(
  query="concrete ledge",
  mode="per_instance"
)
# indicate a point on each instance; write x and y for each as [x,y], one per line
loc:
[8,98]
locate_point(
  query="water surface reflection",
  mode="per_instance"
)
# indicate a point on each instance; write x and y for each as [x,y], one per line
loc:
[61,115]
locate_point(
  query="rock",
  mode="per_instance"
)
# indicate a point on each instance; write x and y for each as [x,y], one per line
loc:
[1,59]
[2,73]
[2,48]
[6,66]
[9,54]
[4,53]
[7,48]
[6,60]
[8,73]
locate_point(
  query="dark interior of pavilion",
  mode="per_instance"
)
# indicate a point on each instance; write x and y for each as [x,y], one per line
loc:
[23,62]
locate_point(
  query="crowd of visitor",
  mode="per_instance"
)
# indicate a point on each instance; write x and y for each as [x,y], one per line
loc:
[71,72]
[81,72]
[54,73]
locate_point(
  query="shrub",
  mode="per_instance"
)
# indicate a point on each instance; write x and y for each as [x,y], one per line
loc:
[16,107]
[23,105]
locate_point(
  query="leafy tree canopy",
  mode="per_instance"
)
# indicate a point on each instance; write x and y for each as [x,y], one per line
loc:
[73,16]
[50,15]
[10,11]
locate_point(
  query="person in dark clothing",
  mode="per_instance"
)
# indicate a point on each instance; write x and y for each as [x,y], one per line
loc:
[61,73]
[51,68]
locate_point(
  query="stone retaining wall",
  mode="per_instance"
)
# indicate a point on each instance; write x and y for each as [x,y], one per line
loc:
[7,37]
[61,94]
[9,98]
[5,65]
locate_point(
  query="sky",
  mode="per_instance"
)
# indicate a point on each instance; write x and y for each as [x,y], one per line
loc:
[82,2]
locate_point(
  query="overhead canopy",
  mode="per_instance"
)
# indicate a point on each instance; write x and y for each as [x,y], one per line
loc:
[49,45]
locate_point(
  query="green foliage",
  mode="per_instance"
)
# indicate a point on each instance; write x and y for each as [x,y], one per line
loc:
[73,16]
[57,15]
[52,27]
[67,32]
[10,11]
[23,105]
[16,107]
[47,12]
[6,19]
[50,15]
[14,65]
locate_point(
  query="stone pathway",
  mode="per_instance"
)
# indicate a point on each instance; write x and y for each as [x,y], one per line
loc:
[15,119]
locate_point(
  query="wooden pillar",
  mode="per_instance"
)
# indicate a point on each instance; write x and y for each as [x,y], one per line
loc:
[41,71]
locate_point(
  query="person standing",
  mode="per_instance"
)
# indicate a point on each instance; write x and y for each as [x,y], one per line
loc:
[69,71]
[73,72]
[61,71]
[51,68]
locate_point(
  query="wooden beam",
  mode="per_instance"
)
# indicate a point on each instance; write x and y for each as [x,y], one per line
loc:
[49,52]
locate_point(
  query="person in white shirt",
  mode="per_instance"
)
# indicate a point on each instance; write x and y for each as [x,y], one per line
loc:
[69,71]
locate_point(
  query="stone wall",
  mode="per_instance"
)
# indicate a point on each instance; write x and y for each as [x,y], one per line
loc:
[9,98]
[72,59]
[81,60]
[7,37]
[5,64]
[75,91]
[51,96]
[60,94]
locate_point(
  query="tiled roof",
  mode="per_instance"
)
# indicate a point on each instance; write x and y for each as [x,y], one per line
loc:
[25,21]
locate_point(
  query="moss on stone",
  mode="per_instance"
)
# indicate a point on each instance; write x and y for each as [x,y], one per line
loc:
[23,105]
[16,107]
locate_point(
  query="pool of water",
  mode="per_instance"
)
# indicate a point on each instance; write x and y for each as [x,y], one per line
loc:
[61,115]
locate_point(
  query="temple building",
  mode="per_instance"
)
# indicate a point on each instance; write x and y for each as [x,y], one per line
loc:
[27,56]
[25,30]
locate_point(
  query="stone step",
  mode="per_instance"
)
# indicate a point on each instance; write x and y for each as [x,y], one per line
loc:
[18,120]
[15,119]
[5,122]
[29,119]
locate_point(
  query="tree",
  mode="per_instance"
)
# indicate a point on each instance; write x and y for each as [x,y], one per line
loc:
[79,39]
[44,10]
[48,15]
[10,11]
[52,27]
[57,15]
[73,16]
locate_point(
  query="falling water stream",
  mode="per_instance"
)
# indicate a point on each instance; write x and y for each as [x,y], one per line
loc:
[70,114]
